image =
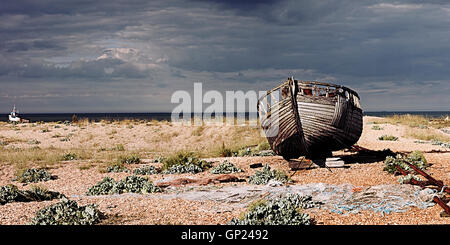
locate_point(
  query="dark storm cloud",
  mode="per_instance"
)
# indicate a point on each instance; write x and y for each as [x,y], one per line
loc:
[394,48]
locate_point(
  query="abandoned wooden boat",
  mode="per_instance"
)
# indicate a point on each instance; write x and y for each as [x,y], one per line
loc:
[309,118]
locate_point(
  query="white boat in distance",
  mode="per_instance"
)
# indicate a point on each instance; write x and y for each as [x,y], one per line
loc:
[14,116]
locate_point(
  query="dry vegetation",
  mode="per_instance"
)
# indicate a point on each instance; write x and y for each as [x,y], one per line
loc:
[415,121]
[100,143]
[420,127]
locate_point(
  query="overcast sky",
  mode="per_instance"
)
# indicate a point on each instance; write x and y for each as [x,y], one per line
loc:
[130,56]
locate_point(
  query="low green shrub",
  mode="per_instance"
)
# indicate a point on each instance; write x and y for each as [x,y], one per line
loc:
[32,175]
[376,127]
[67,212]
[10,193]
[133,184]
[184,168]
[286,210]
[117,167]
[262,177]
[225,167]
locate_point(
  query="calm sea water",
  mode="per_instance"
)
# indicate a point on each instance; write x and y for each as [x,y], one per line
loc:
[53,117]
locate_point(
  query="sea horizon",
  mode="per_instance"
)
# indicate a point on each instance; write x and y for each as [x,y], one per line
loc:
[97,116]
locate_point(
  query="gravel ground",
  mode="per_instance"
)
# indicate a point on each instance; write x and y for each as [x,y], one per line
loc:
[157,209]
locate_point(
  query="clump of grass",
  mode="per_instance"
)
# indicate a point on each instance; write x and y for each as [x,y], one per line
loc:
[184,162]
[116,167]
[32,175]
[198,131]
[86,166]
[45,130]
[118,147]
[286,210]
[69,156]
[133,184]
[264,146]
[376,127]
[6,141]
[67,212]
[265,175]
[74,118]
[130,159]
[226,152]
[226,167]
[159,159]
[388,138]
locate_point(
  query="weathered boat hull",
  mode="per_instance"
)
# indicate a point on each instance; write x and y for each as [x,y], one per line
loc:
[310,118]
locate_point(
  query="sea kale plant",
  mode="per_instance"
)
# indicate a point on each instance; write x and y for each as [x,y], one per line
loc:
[10,193]
[225,167]
[32,175]
[286,210]
[133,184]
[415,158]
[67,212]
[117,167]
[146,170]
[262,177]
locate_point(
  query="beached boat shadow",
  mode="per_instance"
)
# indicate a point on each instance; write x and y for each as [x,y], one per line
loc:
[366,156]
[341,160]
